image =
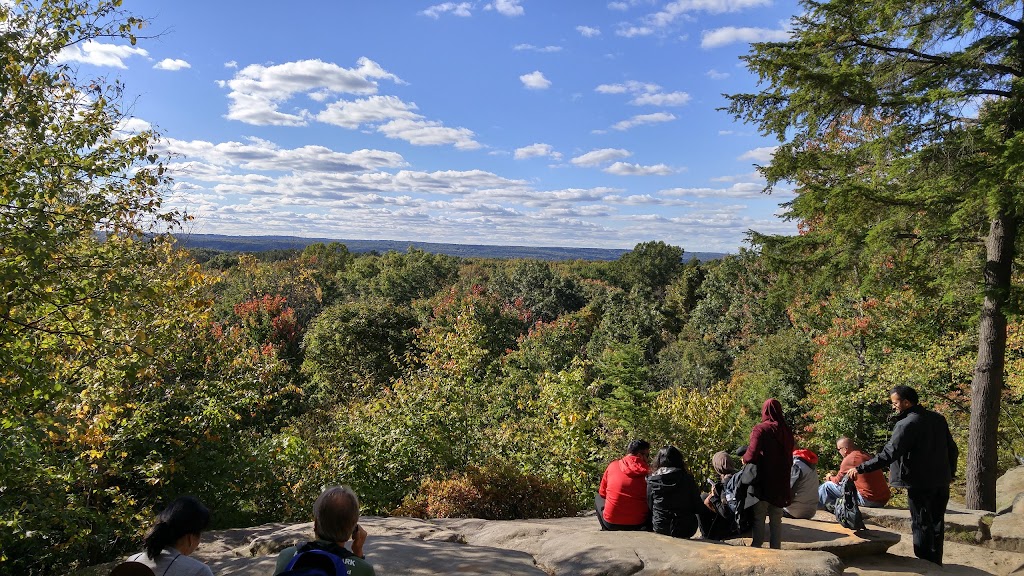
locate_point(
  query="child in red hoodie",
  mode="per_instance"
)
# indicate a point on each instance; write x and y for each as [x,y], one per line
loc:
[622,498]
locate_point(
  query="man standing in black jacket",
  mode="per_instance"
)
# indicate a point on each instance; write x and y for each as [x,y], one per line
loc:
[921,456]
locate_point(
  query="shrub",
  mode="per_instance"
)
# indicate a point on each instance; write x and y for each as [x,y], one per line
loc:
[492,492]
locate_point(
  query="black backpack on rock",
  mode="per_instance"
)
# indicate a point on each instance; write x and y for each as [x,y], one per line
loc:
[847,511]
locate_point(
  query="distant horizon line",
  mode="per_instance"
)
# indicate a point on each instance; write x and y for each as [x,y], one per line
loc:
[315,239]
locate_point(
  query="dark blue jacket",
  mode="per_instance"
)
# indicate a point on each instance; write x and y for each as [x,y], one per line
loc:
[921,453]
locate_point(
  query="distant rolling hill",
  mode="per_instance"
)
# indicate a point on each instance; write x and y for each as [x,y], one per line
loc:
[264,243]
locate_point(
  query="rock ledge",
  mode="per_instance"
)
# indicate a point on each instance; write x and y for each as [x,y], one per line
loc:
[560,546]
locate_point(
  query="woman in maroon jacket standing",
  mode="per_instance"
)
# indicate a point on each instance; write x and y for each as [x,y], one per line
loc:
[771,449]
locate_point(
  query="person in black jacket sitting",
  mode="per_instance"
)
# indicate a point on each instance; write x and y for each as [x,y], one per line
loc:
[921,456]
[672,495]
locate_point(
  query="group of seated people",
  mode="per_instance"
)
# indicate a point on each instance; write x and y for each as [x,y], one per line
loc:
[664,496]
[176,532]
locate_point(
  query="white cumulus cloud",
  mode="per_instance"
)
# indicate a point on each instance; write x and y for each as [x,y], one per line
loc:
[645,93]
[630,86]
[762,155]
[172,64]
[262,155]
[461,9]
[429,133]
[535,80]
[536,151]
[601,156]
[661,99]
[716,75]
[588,31]
[131,126]
[737,190]
[642,119]
[375,109]
[634,31]
[257,91]
[100,54]
[627,169]
[506,7]
[731,34]
[673,10]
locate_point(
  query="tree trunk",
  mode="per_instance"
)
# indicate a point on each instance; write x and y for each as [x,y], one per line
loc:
[987,385]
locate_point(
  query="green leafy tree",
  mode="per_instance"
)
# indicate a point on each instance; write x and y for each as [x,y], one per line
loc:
[356,348]
[682,295]
[1012,427]
[328,263]
[873,344]
[625,393]
[468,333]
[200,424]
[532,284]
[545,349]
[776,366]
[901,122]
[689,361]
[650,266]
[400,277]
[269,322]
[626,317]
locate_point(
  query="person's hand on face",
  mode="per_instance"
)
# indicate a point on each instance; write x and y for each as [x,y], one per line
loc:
[358,538]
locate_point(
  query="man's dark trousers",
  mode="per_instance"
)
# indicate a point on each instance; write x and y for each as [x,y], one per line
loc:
[928,520]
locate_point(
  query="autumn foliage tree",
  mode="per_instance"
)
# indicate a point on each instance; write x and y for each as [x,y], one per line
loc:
[95,303]
[927,102]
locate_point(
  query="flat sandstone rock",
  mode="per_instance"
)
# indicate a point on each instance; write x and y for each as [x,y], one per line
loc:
[830,536]
[577,546]
[561,546]
[958,520]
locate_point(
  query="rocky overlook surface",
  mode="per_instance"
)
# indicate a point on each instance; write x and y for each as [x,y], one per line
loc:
[977,543]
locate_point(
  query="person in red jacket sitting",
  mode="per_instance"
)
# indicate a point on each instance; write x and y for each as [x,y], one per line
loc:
[622,498]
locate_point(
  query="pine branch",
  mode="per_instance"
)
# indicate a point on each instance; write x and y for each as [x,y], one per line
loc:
[997,16]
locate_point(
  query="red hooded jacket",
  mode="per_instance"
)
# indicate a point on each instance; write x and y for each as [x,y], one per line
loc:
[624,488]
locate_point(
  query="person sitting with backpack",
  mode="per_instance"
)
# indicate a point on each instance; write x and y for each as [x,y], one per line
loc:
[335,517]
[716,519]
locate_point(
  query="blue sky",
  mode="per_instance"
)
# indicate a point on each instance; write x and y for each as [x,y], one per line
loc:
[527,122]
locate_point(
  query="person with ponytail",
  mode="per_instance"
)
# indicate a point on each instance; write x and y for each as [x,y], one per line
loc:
[173,537]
